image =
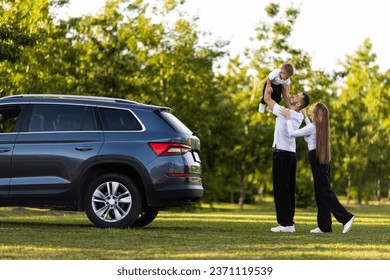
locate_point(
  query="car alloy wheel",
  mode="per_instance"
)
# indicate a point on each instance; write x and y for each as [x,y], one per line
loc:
[113,200]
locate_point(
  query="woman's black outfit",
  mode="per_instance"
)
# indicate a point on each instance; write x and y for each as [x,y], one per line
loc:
[327,202]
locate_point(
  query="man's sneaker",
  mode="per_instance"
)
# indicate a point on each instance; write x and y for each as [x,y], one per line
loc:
[316,230]
[283,229]
[348,225]
[262,108]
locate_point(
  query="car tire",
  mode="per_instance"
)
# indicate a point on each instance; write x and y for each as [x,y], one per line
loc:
[113,200]
[145,218]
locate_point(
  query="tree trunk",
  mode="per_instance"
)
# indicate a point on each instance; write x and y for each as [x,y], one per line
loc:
[242,186]
[360,190]
[349,190]
[378,190]
[232,194]
[388,192]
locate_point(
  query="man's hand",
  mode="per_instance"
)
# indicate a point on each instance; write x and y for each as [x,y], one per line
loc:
[303,111]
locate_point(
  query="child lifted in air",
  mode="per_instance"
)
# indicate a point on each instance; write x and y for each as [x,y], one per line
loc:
[276,80]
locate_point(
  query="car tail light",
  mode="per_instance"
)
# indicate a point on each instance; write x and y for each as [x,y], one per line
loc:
[169,149]
[177,174]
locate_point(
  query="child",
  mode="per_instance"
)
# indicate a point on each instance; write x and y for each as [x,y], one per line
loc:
[277,79]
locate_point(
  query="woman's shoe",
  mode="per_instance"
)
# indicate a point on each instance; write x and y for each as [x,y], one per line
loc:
[316,230]
[348,225]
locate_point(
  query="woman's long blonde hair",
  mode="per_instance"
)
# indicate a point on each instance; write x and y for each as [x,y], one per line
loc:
[321,120]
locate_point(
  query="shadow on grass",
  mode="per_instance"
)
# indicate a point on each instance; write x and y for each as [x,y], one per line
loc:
[42,225]
[199,235]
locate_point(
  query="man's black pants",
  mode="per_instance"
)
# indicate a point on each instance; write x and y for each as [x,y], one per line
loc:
[284,167]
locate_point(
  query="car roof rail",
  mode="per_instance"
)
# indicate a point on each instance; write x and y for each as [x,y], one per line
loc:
[72,96]
[84,97]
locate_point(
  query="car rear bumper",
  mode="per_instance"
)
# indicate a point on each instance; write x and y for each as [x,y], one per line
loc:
[175,195]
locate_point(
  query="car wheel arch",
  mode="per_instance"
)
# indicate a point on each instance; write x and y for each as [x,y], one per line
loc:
[130,168]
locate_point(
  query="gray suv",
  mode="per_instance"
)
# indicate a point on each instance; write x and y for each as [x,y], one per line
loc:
[117,160]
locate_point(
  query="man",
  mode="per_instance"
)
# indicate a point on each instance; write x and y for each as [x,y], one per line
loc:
[284,159]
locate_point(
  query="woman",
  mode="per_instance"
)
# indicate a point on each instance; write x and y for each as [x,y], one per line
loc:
[317,136]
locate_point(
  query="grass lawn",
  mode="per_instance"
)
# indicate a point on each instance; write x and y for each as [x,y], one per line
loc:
[223,232]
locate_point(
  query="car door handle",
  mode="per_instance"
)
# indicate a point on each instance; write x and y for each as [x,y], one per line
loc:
[4,150]
[84,149]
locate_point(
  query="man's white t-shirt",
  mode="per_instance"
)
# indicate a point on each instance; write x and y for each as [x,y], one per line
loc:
[275,78]
[282,140]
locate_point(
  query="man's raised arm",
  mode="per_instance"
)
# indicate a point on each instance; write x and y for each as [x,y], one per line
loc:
[267,98]
[286,93]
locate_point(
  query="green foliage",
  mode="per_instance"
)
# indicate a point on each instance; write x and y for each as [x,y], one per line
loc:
[21,24]
[272,9]
[149,51]
[360,124]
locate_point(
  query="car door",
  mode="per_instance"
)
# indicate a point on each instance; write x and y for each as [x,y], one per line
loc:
[9,125]
[55,143]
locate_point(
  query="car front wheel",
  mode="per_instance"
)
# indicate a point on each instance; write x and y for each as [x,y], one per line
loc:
[113,200]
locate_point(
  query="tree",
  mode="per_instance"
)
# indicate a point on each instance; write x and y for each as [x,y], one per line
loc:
[273,50]
[362,141]
[21,25]
[25,25]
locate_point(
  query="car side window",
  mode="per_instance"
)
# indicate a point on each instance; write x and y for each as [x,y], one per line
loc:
[9,116]
[52,117]
[119,120]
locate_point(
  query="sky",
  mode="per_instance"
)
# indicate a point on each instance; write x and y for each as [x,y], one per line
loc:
[327,29]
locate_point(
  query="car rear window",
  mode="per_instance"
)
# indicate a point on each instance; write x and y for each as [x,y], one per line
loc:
[119,120]
[175,123]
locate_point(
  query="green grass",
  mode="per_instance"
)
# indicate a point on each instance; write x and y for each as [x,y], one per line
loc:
[223,232]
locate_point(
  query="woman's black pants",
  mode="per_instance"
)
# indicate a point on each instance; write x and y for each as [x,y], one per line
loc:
[327,202]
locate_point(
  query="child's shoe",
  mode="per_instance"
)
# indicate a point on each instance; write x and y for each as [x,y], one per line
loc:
[261,108]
